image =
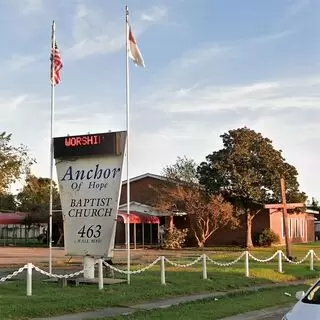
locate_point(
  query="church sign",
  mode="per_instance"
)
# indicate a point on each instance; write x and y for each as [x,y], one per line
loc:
[89,169]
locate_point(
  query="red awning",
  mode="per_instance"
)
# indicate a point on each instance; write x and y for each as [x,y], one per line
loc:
[137,217]
[11,218]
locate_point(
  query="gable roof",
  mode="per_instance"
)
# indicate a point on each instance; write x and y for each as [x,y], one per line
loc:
[146,175]
[312,211]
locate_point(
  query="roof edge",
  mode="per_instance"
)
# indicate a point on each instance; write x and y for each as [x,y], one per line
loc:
[145,175]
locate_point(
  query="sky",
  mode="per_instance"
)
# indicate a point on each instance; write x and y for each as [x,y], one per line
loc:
[211,66]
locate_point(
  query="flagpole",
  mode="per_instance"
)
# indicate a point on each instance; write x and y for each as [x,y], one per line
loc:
[51,145]
[127,147]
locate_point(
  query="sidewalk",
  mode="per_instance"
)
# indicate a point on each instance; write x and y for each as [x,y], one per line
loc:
[166,303]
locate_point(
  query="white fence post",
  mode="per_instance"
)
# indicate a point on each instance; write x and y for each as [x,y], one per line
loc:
[100,270]
[311,260]
[247,263]
[204,267]
[29,279]
[280,261]
[163,271]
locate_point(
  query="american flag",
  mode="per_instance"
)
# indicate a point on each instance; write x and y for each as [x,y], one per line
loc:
[56,65]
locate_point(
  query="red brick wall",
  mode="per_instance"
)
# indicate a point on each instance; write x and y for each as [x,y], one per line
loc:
[238,236]
[304,221]
[310,228]
[142,191]
[261,222]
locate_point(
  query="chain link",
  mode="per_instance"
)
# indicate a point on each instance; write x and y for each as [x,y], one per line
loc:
[59,276]
[264,260]
[15,273]
[314,254]
[183,265]
[296,262]
[132,272]
[227,264]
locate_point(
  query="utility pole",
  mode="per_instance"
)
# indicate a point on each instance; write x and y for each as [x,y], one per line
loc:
[285,218]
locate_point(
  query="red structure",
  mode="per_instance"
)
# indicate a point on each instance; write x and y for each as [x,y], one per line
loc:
[12,218]
[300,224]
[136,217]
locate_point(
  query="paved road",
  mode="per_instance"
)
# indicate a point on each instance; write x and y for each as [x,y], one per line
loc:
[13,256]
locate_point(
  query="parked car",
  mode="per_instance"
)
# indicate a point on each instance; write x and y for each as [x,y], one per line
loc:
[308,306]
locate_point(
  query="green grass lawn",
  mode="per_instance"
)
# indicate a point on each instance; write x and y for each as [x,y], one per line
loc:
[211,309]
[49,299]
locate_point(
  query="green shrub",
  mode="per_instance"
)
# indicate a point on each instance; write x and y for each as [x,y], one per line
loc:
[175,238]
[268,237]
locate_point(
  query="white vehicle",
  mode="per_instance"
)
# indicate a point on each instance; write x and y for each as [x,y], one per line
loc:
[308,306]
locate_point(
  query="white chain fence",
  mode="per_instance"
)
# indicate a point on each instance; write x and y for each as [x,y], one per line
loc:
[301,261]
[183,265]
[203,258]
[14,274]
[134,271]
[227,264]
[263,260]
[58,276]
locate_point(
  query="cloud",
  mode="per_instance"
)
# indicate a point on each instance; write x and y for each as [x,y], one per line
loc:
[201,55]
[283,93]
[295,8]
[267,38]
[11,103]
[154,14]
[29,7]
[213,50]
[16,108]
[95,33]
[206,62]
[17,62]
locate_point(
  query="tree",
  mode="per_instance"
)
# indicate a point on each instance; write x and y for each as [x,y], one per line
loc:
[35,196]
[314,205]
[7,202]
[247,171]
[34,199]
[184,170]
[14,162]
[206,214]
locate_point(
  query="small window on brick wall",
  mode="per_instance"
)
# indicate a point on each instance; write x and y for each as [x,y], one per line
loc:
[282,227]
[296,229]
[302,226]
[290,228]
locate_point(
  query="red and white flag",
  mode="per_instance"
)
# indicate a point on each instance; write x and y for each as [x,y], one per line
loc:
[56,65]
[133,49]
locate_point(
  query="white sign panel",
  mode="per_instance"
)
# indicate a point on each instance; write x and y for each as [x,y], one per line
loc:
[89,192]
